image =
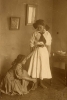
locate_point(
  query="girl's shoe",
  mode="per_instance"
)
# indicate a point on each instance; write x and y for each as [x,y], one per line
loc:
[34,86]
[42,85]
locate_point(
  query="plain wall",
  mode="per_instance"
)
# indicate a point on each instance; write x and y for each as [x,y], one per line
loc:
[14,42]
[59,25]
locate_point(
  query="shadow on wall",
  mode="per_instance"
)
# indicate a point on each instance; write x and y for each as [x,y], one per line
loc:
[5,66]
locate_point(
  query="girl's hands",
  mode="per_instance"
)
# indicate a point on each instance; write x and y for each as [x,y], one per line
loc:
[40,44]
[24,61]
[34,80]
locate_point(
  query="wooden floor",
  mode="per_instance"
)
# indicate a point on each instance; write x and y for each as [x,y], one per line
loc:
[55,91]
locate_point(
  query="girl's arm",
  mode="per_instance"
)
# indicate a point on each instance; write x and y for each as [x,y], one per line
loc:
[23,74]
[29,79]
[18,72]
[49,49]
[34,41]
[48,42]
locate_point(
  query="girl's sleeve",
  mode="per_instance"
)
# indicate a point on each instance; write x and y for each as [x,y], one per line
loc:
[48,39]
[32,41]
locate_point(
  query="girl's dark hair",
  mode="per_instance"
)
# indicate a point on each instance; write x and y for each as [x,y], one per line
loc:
[19,58]
[38,22]
[47,27]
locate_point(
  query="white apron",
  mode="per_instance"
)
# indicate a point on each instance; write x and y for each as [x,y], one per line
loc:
[39,64]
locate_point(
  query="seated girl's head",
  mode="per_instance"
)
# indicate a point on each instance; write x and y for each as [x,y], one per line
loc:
[19,59]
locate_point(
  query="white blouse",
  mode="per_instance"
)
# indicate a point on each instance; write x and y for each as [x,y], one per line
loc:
[36,36]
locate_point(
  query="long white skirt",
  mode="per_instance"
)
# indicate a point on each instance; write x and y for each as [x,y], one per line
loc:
[39,64]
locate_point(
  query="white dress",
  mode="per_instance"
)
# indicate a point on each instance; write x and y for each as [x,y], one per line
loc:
[39,64]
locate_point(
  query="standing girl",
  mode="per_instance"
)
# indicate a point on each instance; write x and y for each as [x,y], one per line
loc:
[40,42]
